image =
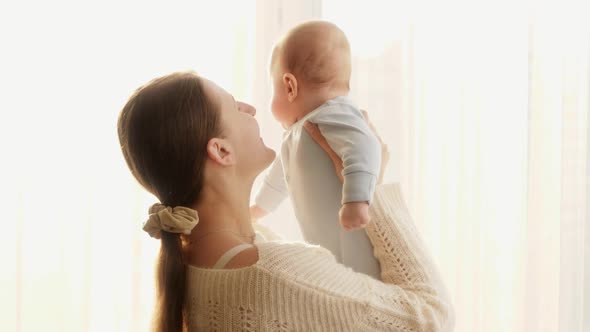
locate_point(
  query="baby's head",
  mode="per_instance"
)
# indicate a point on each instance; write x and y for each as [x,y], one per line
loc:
[309,65]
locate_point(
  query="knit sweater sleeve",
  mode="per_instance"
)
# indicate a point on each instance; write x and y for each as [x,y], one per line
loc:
[410,297]
[411,294]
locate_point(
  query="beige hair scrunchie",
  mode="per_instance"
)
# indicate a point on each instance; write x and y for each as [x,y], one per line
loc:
[179,219]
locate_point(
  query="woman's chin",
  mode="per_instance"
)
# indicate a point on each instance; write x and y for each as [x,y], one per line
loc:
[267,157]
[272,154]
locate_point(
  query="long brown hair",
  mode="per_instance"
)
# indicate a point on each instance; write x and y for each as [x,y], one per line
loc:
[163,131]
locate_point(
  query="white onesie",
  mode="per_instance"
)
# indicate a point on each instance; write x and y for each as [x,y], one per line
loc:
[303,171]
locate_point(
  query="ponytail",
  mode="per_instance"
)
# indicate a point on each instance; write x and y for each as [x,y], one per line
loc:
[171,285]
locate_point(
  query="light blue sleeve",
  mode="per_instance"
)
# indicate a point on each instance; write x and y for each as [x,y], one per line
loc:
[349,135]
[274,188]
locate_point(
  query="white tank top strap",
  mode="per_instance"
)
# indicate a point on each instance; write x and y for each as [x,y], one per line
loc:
[228,255]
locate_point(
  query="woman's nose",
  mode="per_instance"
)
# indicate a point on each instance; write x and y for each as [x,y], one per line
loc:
[247,108]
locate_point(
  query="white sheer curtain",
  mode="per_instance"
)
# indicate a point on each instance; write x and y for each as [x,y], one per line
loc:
[486,111]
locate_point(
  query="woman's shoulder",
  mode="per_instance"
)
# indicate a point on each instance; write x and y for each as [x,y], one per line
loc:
[298,259]
[311,267]
[287,256]
[284,249]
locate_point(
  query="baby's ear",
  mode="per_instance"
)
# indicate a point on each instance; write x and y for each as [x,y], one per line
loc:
[220,151]
[291,87]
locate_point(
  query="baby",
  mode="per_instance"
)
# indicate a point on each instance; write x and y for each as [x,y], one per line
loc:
[310,70]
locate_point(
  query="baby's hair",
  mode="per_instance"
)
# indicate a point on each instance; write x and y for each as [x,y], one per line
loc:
[316,52]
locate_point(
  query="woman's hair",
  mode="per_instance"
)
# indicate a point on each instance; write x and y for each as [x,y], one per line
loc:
[164,129]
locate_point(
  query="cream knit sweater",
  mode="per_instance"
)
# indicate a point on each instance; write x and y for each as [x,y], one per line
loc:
[301,287]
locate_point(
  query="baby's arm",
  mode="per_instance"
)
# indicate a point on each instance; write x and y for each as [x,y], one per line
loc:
[272,193]
[349,135]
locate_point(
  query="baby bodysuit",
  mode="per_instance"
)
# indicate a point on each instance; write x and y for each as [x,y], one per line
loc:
[304,172]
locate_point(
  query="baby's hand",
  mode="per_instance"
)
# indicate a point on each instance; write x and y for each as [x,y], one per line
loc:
[354,215]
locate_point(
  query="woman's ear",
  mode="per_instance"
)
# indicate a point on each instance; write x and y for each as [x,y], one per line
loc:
[220,151]
[291,87]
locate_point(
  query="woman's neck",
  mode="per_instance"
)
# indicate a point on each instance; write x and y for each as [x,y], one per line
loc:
[224,222]
[224,209]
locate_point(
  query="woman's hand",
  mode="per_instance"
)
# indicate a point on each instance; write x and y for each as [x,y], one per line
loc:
[313,130]
[256,212]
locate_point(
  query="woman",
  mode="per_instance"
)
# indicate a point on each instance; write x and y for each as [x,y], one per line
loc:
[195,148]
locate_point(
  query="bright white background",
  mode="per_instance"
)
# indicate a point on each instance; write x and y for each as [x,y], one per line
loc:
[484,106]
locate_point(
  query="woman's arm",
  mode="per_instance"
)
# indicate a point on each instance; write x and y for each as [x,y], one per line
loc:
[406,263]
[319,294]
